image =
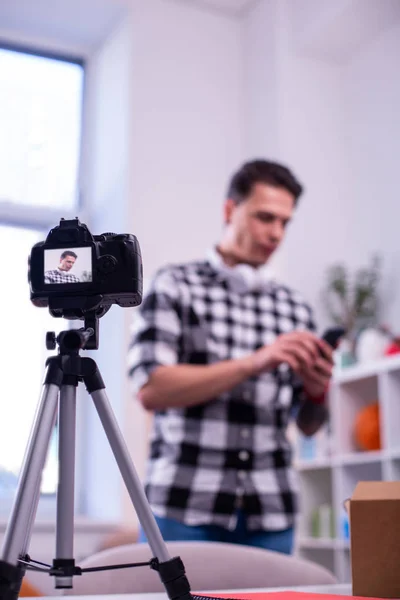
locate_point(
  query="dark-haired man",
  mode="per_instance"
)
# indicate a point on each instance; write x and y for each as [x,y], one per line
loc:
[225,355]
[62,274]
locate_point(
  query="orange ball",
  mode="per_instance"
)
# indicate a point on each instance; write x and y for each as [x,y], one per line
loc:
[367,428]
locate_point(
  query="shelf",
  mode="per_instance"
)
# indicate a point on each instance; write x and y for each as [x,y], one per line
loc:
[363,371]
[313,542]
[323,543]
[326,481]
[312,465]
[350,458]
[360,458]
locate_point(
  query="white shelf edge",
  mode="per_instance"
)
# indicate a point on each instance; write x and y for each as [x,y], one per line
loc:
[369,369]
[314,542]
[322,543]
[313,465]
[360,458]
[347,459]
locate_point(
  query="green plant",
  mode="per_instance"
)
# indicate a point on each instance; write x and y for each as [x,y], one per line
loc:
[352,301]
[86,276]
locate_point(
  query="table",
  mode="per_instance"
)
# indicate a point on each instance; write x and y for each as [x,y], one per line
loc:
[342,589]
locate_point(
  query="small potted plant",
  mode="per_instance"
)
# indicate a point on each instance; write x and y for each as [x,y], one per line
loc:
[352,302]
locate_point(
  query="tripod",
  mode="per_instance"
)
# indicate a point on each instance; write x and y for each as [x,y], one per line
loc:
[63,373]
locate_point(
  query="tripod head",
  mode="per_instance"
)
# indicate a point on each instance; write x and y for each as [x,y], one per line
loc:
[73,340]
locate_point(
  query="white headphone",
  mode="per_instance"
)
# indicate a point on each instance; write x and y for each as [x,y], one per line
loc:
[242,278]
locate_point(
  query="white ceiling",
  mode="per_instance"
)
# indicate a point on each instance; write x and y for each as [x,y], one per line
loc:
[68,22]
[71,23]
[81,26]
[337,30]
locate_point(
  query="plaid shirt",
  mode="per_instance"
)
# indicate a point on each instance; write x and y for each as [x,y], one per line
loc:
[209,460]
[58,276]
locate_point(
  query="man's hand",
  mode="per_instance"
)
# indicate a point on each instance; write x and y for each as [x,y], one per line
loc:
[307,355]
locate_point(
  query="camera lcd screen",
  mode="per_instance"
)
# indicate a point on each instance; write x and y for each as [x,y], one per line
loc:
[72,265]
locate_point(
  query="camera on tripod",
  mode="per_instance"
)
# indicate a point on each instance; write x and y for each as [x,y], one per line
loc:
[78,276]
[74,272]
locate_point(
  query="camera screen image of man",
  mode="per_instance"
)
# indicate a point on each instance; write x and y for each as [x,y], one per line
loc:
[225,356]
[62,274]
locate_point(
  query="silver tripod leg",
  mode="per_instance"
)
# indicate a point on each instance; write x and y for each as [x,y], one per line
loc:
[19,528]
[129,475]
[66,480]
[34,507]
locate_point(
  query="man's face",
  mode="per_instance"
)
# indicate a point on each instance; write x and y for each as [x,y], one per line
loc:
[67,263]
[257,225]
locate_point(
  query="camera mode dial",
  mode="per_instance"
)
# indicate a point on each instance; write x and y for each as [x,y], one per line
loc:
[107,264]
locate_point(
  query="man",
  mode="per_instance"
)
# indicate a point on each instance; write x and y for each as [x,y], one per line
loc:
[61,274]
[224,355]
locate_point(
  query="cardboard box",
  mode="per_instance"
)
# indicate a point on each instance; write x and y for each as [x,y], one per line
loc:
[375,539]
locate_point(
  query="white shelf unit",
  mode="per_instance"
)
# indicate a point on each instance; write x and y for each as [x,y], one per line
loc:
[331,478]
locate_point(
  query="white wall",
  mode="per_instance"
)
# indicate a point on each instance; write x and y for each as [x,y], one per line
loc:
[327,111]
[372,84]
[302,130]
[312,122]
[186,128]
[261,82]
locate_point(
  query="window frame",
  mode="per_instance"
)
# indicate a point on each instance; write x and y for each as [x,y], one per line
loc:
[39,218]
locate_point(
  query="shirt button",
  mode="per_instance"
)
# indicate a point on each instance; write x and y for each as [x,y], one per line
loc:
[247,395]
[242,474]
[244,455]
[245,433]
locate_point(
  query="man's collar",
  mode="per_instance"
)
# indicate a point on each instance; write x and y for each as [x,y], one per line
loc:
[242,278]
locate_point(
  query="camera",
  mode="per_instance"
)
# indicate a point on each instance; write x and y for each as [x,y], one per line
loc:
[75,273]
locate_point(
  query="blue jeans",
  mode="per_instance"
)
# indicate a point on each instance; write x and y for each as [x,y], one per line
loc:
[171,530]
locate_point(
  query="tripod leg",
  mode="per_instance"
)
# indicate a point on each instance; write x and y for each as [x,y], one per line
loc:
[66,483]
[35,457]
[129,475]
[19,528]
[13,592]
[34,507]
[171,570]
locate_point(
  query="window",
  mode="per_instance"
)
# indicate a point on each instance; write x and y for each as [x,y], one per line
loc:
[40,124]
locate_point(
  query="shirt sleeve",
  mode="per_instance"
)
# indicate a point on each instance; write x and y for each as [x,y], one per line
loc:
[156,330]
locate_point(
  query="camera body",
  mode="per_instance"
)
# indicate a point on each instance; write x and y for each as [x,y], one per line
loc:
[73,272]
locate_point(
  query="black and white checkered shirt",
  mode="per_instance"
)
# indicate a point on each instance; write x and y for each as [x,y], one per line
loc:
[58,276]
[208,460]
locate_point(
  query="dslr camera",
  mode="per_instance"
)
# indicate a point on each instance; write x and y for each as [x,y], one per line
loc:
[75,273]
